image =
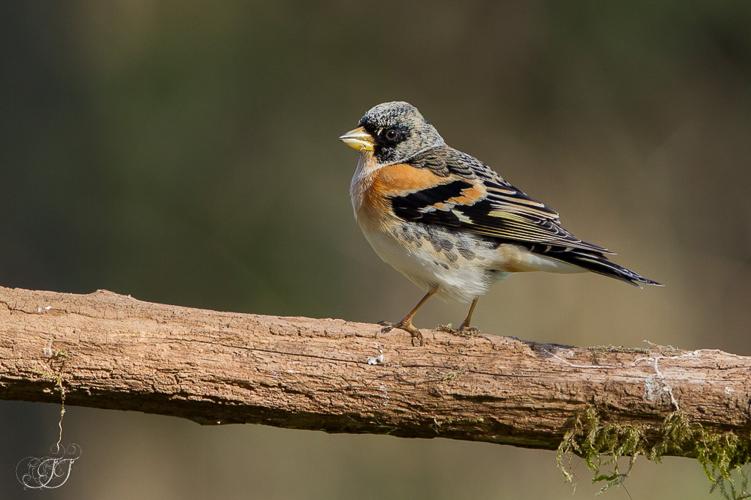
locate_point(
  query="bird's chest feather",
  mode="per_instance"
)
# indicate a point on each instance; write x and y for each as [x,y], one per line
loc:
[374,186]
[456,262]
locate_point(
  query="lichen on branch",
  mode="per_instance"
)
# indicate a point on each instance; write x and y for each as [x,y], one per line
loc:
[603,444]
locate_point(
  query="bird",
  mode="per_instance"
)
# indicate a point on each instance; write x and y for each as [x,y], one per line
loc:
[448,222]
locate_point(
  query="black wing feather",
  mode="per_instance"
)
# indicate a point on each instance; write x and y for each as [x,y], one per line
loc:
[505,215]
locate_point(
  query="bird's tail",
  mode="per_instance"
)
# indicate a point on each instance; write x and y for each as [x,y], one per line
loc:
[598,263]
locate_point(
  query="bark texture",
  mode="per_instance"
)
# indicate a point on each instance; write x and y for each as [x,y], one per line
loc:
[113,351]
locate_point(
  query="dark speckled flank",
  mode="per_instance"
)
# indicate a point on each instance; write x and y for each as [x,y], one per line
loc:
[464,248]
[445,246]
[453,247]
[411,235]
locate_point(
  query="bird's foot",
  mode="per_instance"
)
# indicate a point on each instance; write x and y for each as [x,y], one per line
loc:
[407,326]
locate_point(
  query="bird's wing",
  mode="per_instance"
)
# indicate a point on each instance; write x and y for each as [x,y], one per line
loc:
[472,197]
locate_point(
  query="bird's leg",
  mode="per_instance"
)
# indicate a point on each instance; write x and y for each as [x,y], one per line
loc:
[465,328]
[406,322]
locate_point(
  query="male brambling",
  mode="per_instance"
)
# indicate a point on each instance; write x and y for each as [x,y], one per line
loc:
[447,221]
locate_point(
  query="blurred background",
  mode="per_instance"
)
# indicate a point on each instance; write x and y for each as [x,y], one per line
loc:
[187,153]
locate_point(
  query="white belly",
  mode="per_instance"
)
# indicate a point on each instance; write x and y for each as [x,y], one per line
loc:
[417,253]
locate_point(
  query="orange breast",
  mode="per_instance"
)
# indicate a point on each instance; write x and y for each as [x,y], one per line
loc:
[391,181]
[401,179]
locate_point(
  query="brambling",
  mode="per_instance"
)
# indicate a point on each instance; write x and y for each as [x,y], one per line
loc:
[447,221]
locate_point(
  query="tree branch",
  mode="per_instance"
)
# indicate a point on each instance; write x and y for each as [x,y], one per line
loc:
[113,351]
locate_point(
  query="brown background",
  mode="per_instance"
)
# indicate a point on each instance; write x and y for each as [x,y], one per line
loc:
[186,153]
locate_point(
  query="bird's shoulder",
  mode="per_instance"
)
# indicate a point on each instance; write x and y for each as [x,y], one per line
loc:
[450,162]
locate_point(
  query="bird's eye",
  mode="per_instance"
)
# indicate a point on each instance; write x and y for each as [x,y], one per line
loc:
[391,135]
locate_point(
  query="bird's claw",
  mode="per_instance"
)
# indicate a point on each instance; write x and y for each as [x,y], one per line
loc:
[387,326]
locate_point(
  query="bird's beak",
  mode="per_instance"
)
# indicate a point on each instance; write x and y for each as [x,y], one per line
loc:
[358,139]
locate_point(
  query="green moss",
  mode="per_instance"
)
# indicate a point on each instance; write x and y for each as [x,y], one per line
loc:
[602,445]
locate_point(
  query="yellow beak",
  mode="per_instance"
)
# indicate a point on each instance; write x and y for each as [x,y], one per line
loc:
[358,139]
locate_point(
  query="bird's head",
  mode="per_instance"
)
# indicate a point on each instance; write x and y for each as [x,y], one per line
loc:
[392,132]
